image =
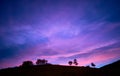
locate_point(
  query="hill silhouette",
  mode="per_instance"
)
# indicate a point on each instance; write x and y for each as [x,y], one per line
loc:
[112,69]
[59,70]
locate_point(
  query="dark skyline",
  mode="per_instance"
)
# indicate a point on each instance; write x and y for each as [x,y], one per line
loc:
[59,31]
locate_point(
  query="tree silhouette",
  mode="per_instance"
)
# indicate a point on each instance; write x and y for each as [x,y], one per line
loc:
[70,63]
[27,63]
[41,62]
[93,65]
[44,61]
[75,62]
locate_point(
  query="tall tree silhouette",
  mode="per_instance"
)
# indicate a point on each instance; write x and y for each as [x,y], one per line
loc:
[75,62]
[70,63]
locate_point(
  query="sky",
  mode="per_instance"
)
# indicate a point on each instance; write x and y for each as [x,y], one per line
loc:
[59,31]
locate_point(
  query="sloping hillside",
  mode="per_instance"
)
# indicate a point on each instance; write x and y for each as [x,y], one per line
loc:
[115,65]
[112,69]
[58,70]
[49,70]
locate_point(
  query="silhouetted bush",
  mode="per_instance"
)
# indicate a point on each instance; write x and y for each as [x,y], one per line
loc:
[93,65]
[41,62]
[88,66]
[27,63]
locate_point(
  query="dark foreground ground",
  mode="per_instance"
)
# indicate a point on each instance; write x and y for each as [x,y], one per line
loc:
[57,70]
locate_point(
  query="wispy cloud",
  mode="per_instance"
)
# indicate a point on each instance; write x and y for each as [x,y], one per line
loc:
[60,31]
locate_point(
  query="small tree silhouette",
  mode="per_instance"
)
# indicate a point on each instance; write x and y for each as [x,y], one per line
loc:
[75,62]
[45,61]
[41,62]
[70,63]
[27,63]
[93,65]
[38,62]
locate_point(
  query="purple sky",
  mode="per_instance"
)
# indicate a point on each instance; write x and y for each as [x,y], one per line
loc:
[59,31]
